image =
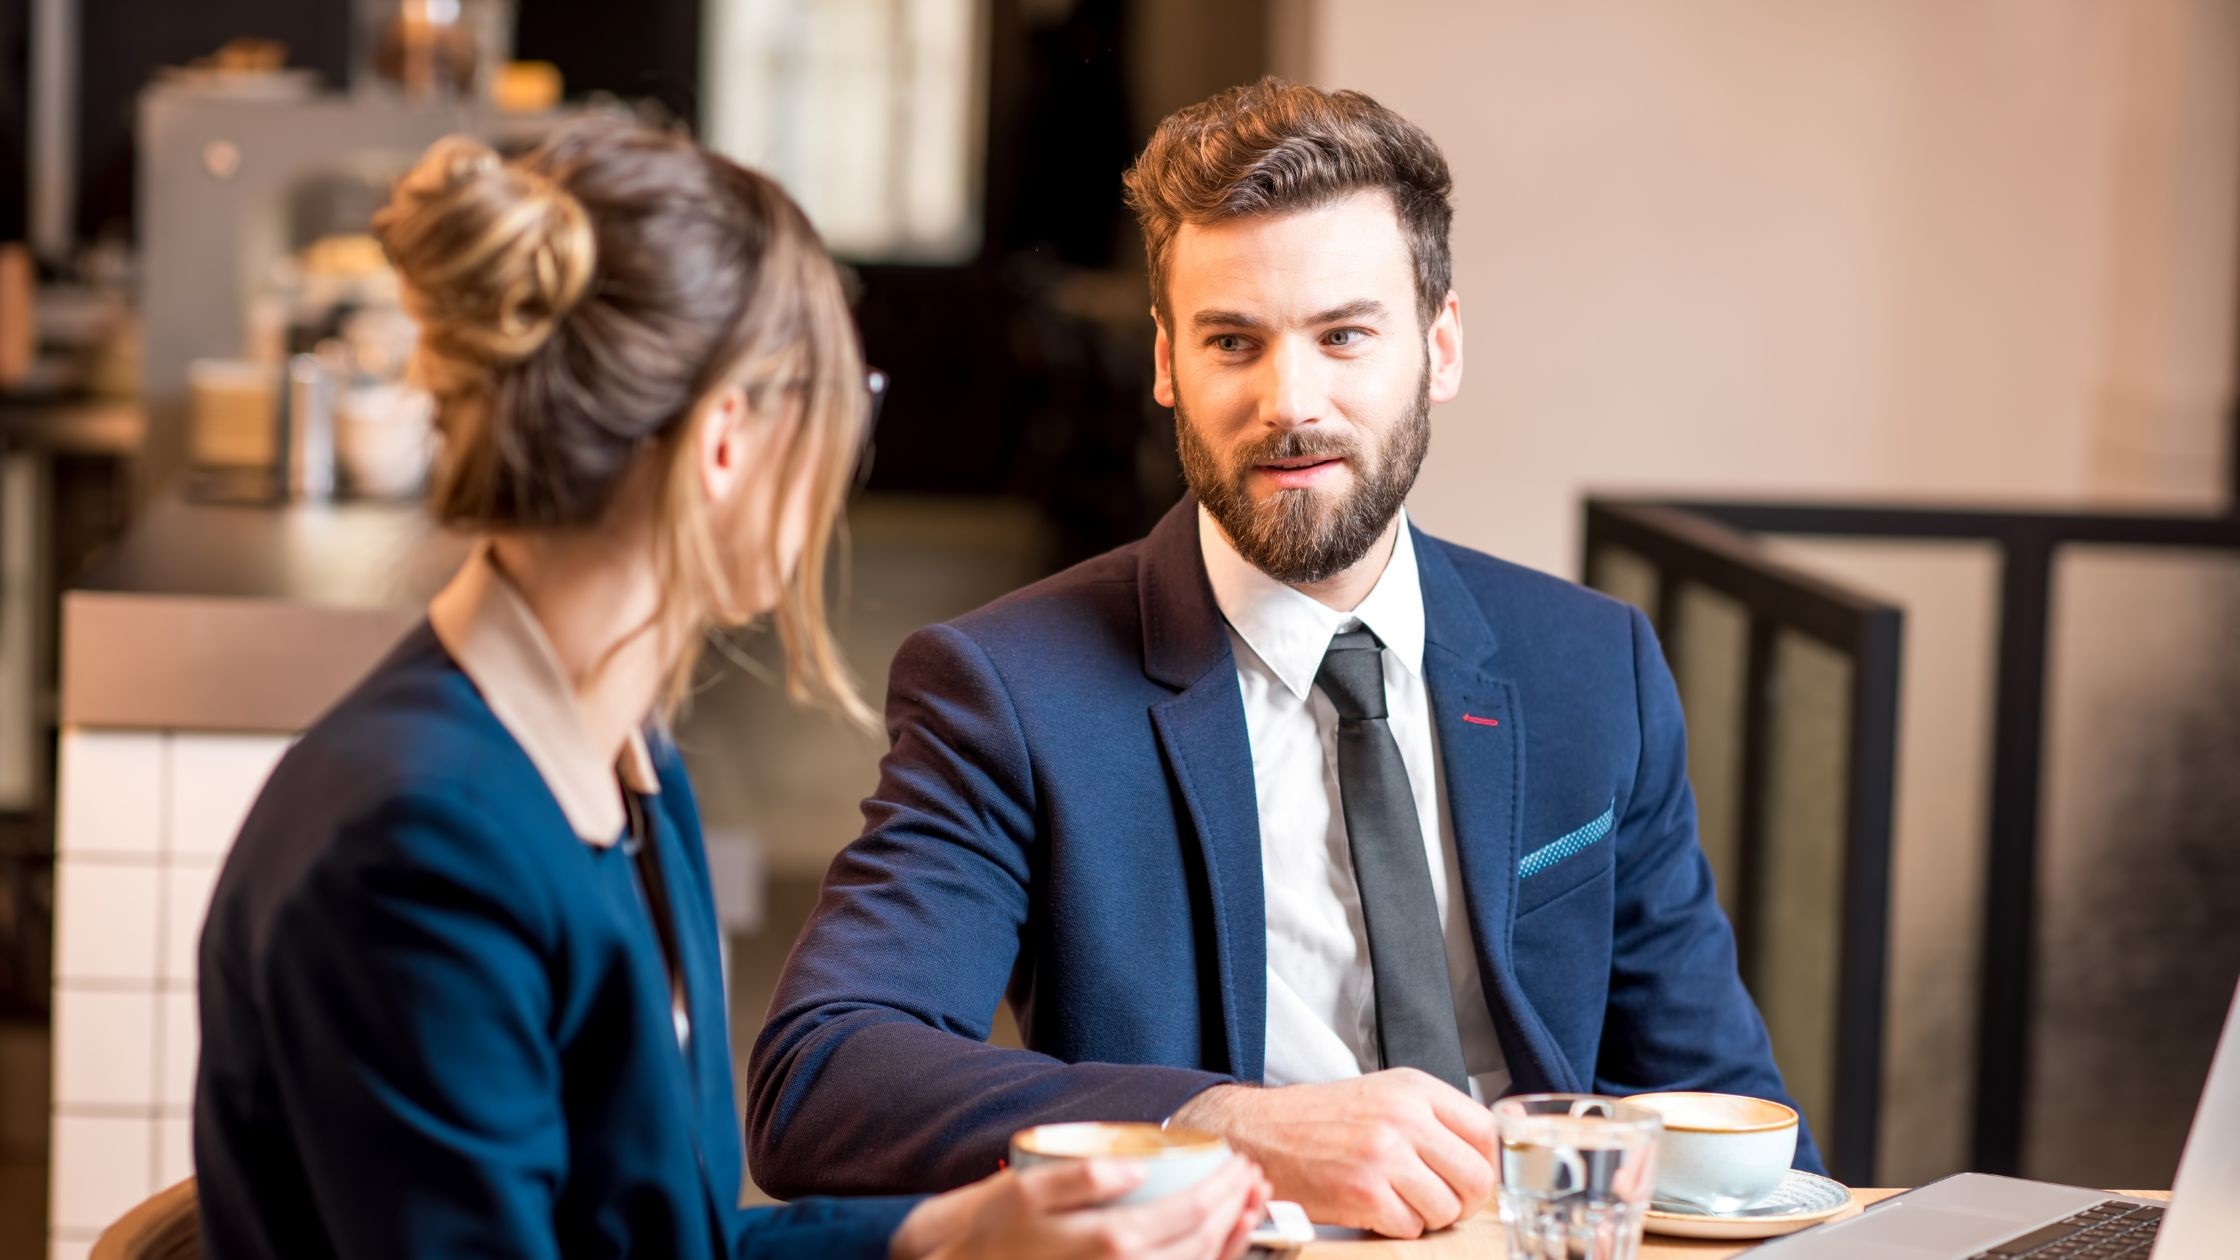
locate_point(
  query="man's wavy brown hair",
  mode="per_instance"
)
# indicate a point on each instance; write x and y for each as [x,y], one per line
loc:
[1273,147]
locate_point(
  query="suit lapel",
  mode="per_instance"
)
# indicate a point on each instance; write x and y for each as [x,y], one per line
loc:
[1202,734]
[1480,728]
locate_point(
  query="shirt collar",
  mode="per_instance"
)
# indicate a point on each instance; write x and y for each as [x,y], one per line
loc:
[487,627]
[1291,630]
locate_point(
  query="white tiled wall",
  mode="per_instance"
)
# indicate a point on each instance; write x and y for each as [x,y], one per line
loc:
[177,1039]
[145,820]
[107,1035]
[102,1165]
[109,788]
[115,940]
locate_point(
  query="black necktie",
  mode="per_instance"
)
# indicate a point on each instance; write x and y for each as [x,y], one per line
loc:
[1407,944]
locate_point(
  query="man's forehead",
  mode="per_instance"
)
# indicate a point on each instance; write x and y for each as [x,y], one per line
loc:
[1295,263]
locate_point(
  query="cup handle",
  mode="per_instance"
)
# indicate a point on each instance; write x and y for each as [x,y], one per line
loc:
[1574,1169]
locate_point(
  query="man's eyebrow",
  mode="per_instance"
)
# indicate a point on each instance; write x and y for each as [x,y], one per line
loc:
[1225,319]
[1359,308]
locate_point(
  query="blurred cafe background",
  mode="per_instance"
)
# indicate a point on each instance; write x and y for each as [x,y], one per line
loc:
[1883,350]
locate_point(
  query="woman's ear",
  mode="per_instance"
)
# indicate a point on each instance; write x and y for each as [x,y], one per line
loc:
[721,443]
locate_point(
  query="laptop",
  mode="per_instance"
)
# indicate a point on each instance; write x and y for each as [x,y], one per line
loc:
[1975,1216]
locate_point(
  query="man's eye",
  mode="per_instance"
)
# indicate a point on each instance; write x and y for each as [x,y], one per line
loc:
[1228,343]
[1344,336]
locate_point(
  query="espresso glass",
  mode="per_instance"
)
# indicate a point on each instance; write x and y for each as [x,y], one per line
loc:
[1576,1172]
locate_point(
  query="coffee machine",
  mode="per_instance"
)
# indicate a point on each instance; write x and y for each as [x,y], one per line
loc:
[237,179]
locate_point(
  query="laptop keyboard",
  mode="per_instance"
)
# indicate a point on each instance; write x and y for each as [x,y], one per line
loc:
[2113,1230]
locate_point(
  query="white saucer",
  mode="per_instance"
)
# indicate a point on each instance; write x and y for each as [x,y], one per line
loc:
[1802,1199]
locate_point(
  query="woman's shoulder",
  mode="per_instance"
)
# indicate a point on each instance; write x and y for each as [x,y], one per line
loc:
[409,782]
[414,726]
[412,749]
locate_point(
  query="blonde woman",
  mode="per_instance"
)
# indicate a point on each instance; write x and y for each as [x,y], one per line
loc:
[459,983]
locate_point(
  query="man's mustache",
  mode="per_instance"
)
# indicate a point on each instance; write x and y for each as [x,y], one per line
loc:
[1298,444]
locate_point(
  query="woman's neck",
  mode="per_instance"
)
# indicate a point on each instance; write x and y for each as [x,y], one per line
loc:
[595,595]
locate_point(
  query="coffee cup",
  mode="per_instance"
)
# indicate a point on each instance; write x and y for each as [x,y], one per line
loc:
[1720,1152]
[1171,1159]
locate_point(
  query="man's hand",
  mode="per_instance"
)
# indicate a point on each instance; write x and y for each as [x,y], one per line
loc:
[1398,1152]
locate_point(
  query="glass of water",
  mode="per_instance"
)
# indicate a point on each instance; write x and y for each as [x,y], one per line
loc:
[1576,1172]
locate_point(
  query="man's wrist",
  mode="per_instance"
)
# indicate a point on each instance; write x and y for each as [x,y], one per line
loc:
[1209,1110]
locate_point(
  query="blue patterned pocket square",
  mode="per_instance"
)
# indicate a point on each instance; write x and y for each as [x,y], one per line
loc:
[1556,850]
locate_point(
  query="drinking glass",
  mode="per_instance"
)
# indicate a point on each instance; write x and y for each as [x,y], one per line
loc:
[1576,1172]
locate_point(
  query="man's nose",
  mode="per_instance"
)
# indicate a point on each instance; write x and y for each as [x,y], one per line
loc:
[1294,392]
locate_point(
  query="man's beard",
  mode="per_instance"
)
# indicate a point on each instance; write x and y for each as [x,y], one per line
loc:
[1306,535]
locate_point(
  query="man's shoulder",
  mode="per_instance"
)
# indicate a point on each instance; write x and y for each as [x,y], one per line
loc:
[1095,600]
[1511,593]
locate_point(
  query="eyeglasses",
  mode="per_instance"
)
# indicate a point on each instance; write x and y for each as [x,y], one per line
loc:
[874,386]
[875,393]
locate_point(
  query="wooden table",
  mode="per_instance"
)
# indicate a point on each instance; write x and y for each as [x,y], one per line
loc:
[1479,1238]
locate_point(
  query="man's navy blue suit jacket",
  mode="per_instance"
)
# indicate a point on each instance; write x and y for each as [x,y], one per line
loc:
[1067,817]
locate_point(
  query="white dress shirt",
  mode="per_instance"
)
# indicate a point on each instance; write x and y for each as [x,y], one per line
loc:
[1322,1003]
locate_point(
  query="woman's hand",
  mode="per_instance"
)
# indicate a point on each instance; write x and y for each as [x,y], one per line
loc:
[1058,1212]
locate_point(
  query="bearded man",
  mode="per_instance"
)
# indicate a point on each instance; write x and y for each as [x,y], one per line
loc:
[1289,821]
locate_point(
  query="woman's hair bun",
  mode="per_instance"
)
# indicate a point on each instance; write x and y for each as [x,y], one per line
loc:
[492,254]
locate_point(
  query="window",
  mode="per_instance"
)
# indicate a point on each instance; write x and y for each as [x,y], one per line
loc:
[870,112]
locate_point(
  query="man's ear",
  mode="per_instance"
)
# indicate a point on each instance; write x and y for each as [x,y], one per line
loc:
[1162,362]
[1443,345]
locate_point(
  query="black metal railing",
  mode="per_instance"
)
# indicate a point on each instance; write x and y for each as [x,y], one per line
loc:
[2028,544]
[1684,553]
[1715,543]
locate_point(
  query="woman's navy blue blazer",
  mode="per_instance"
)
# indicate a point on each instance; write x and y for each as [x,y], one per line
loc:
[435,1022]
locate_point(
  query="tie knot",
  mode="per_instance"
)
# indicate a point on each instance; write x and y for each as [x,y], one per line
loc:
[1352,675]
